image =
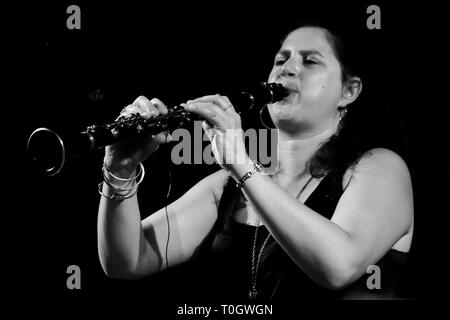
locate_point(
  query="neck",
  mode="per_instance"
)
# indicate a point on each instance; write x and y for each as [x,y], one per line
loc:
[294,153]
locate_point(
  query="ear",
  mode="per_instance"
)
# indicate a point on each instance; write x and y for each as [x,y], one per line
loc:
[350,91]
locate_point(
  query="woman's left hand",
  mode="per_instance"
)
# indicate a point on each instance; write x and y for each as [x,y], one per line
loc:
[223,126]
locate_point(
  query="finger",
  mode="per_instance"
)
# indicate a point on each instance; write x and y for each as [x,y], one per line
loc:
[149,110]
[163,137]
[159,105]
[129,110]
[208,128]
[222,101]
[124,113]
[229,106]
[211,112]
[225,104]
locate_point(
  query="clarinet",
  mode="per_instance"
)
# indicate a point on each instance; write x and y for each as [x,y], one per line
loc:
[49,151]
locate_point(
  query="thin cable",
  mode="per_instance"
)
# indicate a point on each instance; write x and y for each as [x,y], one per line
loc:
[167,200]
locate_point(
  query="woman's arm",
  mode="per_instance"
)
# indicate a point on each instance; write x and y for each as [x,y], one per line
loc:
[130,249]
[375,211]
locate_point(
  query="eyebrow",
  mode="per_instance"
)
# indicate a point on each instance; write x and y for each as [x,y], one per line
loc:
[302,52]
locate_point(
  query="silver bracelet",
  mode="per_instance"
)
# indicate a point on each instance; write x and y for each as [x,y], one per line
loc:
[141,166]
[117,188]
[117,197]
[256,168]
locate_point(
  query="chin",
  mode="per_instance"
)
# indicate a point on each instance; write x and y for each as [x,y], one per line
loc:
[284,115]
[282,111]
[283,119]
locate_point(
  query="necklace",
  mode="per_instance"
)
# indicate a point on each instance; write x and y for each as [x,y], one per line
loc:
[252,294]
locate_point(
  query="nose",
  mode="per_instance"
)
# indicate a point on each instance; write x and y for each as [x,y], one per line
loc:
[290,68]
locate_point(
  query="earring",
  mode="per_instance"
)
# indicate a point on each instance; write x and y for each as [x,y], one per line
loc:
[342,113]
[261,118]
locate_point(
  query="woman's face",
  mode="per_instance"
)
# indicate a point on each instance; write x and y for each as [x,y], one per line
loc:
[306,65]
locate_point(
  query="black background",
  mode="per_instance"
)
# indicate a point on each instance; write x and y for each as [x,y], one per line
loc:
[174,52]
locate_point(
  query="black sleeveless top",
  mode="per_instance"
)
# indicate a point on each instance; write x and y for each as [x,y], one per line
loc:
[223,261]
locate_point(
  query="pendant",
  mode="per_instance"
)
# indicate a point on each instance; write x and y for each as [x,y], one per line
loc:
[252,295]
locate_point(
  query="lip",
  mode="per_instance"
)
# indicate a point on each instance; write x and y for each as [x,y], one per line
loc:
[290,87]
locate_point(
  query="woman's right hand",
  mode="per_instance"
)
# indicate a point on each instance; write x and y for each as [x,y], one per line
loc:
[122,158]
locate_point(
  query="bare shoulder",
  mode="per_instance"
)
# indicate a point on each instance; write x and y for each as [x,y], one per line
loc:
[384,156]
[378,162]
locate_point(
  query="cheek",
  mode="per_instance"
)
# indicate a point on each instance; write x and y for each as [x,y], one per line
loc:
[323,89]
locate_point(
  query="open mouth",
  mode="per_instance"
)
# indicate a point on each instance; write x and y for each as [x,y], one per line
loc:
[290,87]
[292,92]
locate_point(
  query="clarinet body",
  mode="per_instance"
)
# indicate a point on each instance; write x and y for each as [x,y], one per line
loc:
[48,151]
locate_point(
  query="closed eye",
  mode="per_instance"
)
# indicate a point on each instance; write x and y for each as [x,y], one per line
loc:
[279,62]
[281,57]
[310,61]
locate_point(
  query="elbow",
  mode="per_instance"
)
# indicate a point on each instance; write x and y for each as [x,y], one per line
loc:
[115,273]
[119,273]
[338,282]
[121,276]
[120,270]
[339,278]
[111,270]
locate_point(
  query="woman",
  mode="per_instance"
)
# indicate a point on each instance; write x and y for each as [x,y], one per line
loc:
[275,235]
